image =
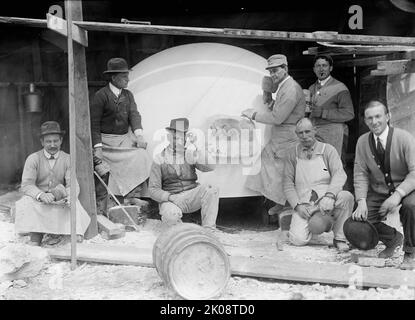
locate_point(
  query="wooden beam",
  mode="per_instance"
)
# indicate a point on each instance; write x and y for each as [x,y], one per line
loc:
[82,127]
[360,62]
[360,50]
[50,83]
[325,36]
[60,26]
[285,268]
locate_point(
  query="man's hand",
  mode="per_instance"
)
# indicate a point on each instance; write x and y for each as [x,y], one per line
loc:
[248,112]
[46,197]
[389,204]
[360,214]
[98,152]
[302,211]
[326,205]
[141,143]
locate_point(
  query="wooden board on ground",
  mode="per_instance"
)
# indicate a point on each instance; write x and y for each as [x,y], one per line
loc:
[281,269]
[108,229]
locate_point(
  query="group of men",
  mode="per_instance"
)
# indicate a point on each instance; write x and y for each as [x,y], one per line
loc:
[300,166]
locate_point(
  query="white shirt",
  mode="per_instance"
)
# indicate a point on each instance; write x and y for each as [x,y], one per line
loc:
[115,90]
[382,137]
[323,82]
[48,156]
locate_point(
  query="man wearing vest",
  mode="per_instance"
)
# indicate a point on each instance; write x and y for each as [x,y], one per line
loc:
[384,178]
[44,208]
[331,105]
[173,179]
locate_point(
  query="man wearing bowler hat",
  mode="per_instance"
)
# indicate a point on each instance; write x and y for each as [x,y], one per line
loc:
[314,168]
[44,209]
[384,178]
[281,114]
[120,157]
[173,179]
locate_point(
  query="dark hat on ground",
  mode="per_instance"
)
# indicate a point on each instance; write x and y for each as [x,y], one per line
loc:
[361,234]
[179,124]
[117,65]
[276,60]
[50,127]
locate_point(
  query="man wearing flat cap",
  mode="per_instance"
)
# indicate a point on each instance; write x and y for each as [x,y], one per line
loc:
[173,179]
[44,208]
[120,157]
[281,114]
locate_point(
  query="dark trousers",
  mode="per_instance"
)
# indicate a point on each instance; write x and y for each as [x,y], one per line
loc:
[101,193]
[407,217]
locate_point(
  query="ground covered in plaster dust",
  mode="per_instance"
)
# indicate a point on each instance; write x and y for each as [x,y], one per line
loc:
[99,281]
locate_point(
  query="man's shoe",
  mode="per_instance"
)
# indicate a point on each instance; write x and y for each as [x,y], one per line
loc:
[408,262]
[341,246]
[390,250]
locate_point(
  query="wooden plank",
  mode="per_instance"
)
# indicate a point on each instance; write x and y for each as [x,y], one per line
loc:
[84,164]
[358,49]
[59,25]
[104,224]
[283,268]
[360,62]
[394,67]
[325,36]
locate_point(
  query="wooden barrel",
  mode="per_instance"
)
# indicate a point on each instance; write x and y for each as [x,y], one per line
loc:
[191,261]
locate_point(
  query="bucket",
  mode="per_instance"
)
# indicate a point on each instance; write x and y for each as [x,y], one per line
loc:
[191,262]
[32,100]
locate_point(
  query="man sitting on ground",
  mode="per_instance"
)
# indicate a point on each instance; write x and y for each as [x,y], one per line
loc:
[173,180]
[44,207]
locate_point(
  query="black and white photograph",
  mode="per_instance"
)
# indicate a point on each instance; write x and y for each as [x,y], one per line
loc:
[207,157]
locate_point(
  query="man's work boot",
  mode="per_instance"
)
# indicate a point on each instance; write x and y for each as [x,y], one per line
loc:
[408,262]
[390,250]
[341,246]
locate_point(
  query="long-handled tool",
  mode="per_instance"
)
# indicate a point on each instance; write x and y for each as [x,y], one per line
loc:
[116,200]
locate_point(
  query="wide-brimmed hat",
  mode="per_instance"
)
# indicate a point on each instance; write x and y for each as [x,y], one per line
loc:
[50,127]
[179,125]
[361,234]
[276,60]
[117,65]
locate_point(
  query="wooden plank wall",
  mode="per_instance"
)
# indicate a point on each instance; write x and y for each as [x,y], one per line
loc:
[401,100]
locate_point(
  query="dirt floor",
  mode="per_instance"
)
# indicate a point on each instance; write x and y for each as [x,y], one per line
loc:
[99,281]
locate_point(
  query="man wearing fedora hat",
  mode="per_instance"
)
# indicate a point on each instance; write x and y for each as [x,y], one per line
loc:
[315,167]
[384,178]
[46,186]
[173,179]
[116,130]
[281,114]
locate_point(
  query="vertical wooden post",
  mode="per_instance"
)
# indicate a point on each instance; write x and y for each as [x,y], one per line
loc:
[72,132]
[84,166]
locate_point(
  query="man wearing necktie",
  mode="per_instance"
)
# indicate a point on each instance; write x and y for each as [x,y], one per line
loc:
[44,209]
[331,105]
[384,178]
[314,172]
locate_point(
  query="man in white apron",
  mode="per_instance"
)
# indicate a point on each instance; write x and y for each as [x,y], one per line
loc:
[282,115]
[46,182]
[316,166]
